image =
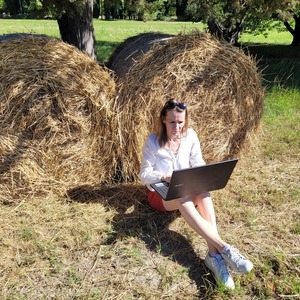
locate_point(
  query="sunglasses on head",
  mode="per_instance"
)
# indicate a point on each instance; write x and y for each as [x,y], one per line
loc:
[172,105]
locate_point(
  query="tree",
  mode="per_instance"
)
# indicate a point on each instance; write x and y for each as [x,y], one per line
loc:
[294,31]
[9,6]
[130,9]
[227,19]
[76,28]
[75,21]
[287,11]
[181,6]
[224,18]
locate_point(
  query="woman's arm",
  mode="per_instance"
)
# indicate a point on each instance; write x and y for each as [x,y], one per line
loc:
[196,158]
[148,174]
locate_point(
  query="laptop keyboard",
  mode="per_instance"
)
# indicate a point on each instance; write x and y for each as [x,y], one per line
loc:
[164,189]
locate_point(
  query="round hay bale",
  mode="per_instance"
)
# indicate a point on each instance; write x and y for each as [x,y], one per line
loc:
[57,118]
[220,84]
[128,52]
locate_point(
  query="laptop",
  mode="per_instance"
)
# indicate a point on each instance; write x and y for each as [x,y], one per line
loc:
[196,180]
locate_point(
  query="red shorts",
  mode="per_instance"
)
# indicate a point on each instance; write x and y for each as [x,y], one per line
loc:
[155,201]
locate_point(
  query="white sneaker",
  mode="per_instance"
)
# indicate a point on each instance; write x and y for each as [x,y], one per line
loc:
[238,262]
[219,269]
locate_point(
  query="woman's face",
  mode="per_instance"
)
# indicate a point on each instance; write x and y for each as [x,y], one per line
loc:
[174,121]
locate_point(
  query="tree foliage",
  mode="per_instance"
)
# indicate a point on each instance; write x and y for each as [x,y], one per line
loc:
[228,18]
[286,11]
[54,8]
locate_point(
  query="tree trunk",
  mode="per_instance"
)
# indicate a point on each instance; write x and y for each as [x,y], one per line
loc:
[107,9]
[181,6]
[295,32]
[76,28]
[12,7]
[221,32]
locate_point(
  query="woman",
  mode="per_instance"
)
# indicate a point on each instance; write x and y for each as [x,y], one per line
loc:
[176,146]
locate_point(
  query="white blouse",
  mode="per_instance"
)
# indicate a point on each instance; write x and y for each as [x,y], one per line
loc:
[158,161]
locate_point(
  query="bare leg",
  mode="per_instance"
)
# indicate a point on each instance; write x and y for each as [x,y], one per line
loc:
[204,223]
[206,209]
[205,228]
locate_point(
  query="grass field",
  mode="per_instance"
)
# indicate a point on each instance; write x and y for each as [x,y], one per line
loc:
[110,245]
[110,33]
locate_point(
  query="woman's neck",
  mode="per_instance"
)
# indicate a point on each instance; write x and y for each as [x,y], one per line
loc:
[173,144]
[174,138]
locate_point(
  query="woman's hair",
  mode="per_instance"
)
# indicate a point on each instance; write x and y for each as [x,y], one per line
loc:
[171,104]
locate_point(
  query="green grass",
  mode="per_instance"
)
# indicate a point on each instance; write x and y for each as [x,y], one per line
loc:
[282,118]
[112,248]
[110,33]
[48,27]
[270,38]
[107,31]
[285,107]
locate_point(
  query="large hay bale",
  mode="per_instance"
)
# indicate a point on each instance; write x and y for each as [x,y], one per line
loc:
[57,122]
[132,48]
[220,84]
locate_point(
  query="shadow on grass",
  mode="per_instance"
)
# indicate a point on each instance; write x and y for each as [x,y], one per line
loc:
[279,64]
[278,72]
[134,218]
[104,49]
[272,51]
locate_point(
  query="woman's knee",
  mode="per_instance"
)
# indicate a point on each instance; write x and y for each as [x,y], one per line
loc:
[186,202]
[201,197]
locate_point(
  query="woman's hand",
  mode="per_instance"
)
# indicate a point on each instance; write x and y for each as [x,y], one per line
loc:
[166,177]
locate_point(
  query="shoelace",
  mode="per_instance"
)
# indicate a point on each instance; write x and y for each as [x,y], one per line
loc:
[235,255]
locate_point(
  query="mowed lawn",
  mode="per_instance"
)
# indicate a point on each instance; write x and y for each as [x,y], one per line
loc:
[110,33]
[113,246]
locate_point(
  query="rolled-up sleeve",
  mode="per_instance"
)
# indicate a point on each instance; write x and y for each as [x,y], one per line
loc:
[148,174]
[196,158]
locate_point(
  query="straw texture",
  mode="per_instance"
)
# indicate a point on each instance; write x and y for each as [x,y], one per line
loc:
[220,84]
[57,127]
